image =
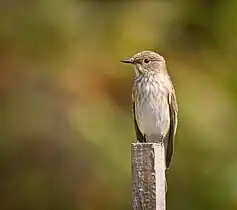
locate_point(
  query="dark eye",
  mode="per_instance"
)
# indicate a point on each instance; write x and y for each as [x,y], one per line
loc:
[146,60]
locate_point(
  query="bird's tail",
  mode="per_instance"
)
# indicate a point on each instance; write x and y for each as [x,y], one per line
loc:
[168,151]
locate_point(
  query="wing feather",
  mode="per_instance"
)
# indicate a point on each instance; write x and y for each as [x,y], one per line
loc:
[173,108]
[139,135]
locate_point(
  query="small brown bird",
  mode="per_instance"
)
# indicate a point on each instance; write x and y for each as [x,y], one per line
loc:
[154,102]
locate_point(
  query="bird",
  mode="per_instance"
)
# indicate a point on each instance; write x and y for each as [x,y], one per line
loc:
[154,104]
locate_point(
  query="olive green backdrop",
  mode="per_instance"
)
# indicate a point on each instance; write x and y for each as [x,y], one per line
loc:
[65,112]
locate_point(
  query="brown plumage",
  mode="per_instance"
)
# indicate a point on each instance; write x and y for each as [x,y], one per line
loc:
[154,103]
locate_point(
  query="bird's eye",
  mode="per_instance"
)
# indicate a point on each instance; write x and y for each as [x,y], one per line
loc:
[147,60]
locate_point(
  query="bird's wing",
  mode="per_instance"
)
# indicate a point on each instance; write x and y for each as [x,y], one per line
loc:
[173,108]
[139,135]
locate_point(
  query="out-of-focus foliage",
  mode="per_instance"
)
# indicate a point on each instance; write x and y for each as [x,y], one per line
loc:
[66,121]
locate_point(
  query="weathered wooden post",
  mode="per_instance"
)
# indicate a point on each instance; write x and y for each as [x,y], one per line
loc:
[148,176]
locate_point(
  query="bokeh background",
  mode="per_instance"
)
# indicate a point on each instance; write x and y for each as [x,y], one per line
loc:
[65,111]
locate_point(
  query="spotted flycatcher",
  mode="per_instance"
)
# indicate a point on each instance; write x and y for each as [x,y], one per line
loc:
[154,103]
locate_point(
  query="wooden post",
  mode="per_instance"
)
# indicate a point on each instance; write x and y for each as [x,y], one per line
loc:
[148,176]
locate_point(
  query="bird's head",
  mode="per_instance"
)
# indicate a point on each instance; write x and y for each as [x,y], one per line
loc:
[146,62]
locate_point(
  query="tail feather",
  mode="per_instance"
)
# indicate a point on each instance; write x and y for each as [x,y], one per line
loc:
[168,143]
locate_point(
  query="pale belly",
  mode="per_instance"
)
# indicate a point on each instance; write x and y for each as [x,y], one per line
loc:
[153,117]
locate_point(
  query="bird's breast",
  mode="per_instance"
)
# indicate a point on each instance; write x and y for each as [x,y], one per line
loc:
[152,110]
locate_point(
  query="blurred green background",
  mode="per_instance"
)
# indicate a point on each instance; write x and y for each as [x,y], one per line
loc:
[66,120]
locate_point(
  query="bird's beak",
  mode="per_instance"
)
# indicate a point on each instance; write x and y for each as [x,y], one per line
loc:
[129,60]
